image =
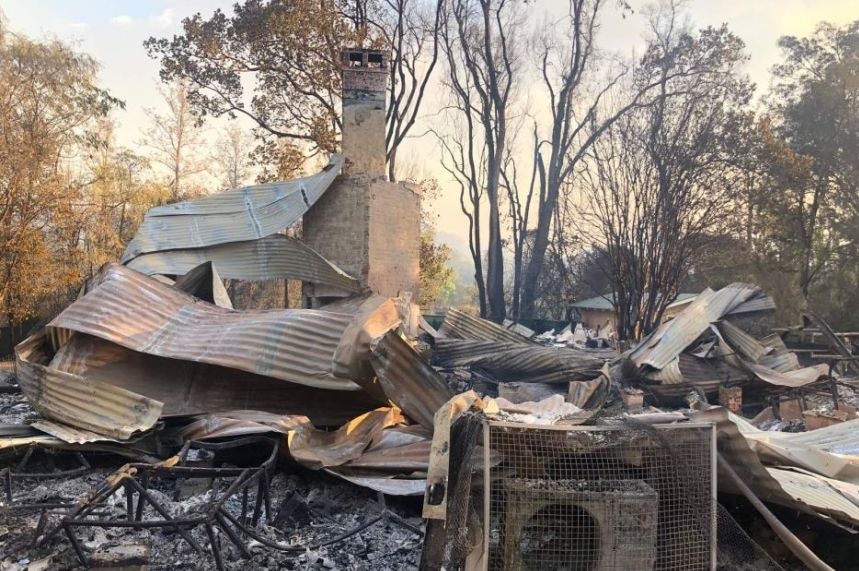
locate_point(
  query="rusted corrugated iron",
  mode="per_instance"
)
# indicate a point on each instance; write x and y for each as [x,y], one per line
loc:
[239,215]
[139,313]
[461,325]
[272,257]
[77,401]
[188,388]
[407,380]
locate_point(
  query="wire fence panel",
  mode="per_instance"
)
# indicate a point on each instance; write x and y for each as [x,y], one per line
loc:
[600,498]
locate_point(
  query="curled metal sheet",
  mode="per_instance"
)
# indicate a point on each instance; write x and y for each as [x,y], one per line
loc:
[243,214]
[747,345]
[77,401]
[204,282]
[188,388]
[141,314]
[272,257]
[407,380]
[825,495]
[461,325]
[374,450]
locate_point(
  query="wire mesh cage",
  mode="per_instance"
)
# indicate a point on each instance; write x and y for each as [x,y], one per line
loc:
[599,498]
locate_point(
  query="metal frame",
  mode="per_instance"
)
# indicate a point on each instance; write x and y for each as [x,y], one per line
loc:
[487,472]
[214,515]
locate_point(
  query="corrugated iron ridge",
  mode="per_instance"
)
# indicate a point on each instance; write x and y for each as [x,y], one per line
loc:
[236,216]
[272,257]
[449,352]
[408,381]
[144,315]
[464,326]
[513,357]
[742,341]
[77,401]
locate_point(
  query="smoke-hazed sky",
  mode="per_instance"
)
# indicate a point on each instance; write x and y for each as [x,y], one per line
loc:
[113,32]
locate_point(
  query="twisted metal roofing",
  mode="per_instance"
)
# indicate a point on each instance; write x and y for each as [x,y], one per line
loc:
[272,257]
[248,213]
[137,312]
[78,401]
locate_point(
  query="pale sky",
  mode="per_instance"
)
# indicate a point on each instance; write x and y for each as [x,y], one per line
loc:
[113,32]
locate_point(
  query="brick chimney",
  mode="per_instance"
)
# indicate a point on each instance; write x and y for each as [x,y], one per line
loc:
[365,78]
[367,225]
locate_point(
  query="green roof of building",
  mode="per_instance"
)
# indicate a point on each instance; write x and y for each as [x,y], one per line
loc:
[606,302]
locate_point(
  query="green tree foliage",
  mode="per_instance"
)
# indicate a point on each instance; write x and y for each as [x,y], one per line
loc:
[799,187]
[437,277]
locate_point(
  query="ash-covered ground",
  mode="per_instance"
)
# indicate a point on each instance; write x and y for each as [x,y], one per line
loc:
[308,509]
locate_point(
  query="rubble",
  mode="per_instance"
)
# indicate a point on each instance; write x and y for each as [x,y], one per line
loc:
[151,424]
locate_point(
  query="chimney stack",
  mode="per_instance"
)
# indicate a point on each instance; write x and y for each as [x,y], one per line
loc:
[365,77]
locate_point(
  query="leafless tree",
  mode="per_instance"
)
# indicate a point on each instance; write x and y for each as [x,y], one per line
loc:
[656,187]
[482,61]
[231,156]
[174,137]
[410,28]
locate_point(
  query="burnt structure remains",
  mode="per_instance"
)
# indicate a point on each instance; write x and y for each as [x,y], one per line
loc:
[366,224]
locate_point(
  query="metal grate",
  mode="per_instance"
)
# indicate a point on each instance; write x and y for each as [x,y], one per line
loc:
[599,498]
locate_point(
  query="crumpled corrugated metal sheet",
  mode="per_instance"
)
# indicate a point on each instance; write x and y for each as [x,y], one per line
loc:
[774,483]
[272,257]
[78,401]
[407,380]
[757,304]
[204,282]
[197,388]
[132,310]
[793,379]
[832,451]
[672,337]
[747,345]
[239,215]
[70,434]
[523,363]
[825,495]
[461,325]
[735,449]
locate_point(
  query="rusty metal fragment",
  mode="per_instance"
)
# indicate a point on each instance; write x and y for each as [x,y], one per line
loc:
[136,312]
[407,380]
[77,401]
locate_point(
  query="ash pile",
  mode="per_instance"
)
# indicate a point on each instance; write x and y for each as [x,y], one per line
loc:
[151,425]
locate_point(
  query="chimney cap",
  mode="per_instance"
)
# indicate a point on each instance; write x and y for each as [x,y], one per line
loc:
[371,60]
